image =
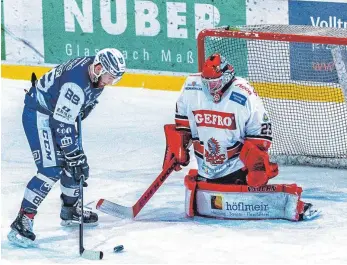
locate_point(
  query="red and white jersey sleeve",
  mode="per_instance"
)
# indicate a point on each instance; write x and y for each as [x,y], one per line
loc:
[219,129]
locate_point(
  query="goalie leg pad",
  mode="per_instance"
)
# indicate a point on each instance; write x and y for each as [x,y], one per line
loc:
[190,180]
[279,201]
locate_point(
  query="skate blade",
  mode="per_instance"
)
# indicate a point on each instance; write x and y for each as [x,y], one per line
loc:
[15,238]
[312,215]
[70,223]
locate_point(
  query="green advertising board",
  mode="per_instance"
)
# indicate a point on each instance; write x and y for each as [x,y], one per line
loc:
[153,35]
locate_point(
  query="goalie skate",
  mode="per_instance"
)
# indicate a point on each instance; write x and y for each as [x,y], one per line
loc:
[309,212]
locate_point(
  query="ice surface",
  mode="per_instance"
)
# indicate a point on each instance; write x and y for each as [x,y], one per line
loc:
[124,141]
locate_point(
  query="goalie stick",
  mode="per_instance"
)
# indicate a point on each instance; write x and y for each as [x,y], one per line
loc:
[118,210]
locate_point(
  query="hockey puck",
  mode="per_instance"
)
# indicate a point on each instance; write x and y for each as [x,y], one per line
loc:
[118,248]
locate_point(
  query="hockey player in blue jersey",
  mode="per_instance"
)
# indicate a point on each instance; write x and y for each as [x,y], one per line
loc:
[51,107]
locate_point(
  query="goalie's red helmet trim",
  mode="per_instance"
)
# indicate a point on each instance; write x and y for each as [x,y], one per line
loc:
[211,68]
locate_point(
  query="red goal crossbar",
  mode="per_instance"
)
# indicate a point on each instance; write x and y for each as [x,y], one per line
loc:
[237,34]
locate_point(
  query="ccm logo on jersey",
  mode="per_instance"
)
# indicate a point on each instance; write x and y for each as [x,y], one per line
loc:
[215,119]
[46,145]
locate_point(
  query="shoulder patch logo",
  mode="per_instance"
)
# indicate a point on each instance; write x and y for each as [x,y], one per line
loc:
[265,117]
[193,86]
[238,98]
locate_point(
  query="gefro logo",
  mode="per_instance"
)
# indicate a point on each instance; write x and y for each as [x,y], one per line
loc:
[215,119]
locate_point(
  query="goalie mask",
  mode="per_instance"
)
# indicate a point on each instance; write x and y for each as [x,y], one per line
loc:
[216,75]
[112,62]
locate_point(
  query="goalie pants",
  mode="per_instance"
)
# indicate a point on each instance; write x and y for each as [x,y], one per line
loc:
[238,177]
[49,160]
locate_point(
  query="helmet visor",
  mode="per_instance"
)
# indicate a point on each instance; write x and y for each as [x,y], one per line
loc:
[117,77]
[213,85]
[109,79]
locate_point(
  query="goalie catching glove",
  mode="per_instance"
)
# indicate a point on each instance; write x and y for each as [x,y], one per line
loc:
[258,164]
[77,166]
[177,144]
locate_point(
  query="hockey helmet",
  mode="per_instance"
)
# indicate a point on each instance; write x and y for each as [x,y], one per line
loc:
[216,74]
[112,62]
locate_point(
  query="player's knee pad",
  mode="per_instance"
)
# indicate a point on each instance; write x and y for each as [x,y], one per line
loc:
[38,188]
[69,187]
[279,201]
[44,180]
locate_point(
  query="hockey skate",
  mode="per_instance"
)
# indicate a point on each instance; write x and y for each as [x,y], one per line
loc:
[309,212]
[70,216]
[22,233]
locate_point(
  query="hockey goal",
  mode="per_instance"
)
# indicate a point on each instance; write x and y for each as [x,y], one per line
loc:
[300,74]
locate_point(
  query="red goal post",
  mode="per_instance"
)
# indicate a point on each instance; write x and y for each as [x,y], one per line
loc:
[300,74]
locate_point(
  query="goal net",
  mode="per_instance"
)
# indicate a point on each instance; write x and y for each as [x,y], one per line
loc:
[300,74]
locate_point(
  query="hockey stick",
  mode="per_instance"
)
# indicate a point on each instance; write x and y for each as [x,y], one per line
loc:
[84,253]
[117,210]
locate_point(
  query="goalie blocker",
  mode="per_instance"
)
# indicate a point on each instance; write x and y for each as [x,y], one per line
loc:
[278,201]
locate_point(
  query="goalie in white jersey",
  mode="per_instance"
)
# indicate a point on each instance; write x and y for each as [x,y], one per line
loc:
[225,119]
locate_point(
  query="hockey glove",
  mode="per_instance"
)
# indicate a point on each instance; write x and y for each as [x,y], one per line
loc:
[77,166]
[177,144]
[85,112]
[260,169]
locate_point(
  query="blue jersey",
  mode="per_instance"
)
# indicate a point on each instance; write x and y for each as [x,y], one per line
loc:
[63,93]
